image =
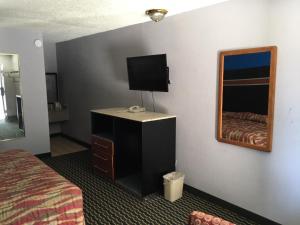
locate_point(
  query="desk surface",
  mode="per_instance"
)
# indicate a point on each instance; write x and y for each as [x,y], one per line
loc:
[140,116]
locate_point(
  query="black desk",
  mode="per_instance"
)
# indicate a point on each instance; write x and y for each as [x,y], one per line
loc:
[144,147]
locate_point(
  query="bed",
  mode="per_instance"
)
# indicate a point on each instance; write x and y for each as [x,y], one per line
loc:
[245,127]
[32,193]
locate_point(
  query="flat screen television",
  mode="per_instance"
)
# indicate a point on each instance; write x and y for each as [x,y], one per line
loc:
[148,73]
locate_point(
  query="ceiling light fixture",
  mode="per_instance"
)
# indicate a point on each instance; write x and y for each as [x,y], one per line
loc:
[156,14]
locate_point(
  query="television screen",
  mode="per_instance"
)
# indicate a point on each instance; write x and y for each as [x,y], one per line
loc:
[148,73]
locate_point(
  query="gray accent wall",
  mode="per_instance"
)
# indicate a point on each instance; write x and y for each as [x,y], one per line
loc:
[33,88]
[95,76]
[51,67]
[50,56]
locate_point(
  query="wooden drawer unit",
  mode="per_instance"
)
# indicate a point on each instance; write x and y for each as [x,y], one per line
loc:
[103,157]
[103,160]
[107,172]
[103,145]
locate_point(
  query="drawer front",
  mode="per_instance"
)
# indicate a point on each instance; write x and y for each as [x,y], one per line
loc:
[103,160]
[102,145]
[105,172]
[103,164]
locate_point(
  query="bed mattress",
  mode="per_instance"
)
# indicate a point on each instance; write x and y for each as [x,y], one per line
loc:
[32,193]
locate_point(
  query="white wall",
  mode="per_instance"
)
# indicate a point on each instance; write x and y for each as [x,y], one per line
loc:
[15,62]
[284,161]
[7,62]
[11,62]
[33,87]
[10,96]
[95,76]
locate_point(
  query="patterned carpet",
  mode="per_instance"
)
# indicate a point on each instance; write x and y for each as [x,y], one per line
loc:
[105,203]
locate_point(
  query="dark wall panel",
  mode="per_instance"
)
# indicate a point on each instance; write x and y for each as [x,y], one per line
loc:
[252,98]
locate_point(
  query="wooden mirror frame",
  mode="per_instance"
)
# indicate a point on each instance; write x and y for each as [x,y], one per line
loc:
[271,97]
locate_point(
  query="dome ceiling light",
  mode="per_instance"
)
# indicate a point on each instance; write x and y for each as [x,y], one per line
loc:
[156,14]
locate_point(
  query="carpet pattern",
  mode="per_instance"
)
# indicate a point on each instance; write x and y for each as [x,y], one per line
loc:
[106,203]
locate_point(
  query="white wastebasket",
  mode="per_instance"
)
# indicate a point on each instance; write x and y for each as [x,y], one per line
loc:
[173,185]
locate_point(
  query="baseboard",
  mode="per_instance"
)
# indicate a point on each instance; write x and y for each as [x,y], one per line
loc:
[85,144]
[43,155]
[247,214]
[56,134]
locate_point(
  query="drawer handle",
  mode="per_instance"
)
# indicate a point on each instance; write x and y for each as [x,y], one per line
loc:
[100,157]
[103,170]
[102,146]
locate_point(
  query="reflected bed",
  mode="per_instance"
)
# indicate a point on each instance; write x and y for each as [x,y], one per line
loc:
[245,127]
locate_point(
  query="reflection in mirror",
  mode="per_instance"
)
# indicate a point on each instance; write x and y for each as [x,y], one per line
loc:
[11,112]
[246,97]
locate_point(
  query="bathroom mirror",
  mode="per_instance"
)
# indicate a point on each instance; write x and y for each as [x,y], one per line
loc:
[11,104]
[246,97]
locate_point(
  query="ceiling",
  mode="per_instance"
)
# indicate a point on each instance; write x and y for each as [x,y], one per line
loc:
[61,20]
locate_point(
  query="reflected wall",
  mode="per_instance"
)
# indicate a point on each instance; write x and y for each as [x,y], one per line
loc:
[11,103]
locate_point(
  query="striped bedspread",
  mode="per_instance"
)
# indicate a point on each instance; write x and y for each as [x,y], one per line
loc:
[32,193]
[245,130]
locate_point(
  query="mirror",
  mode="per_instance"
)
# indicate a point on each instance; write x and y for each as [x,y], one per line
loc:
[246,97]
[11,110]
